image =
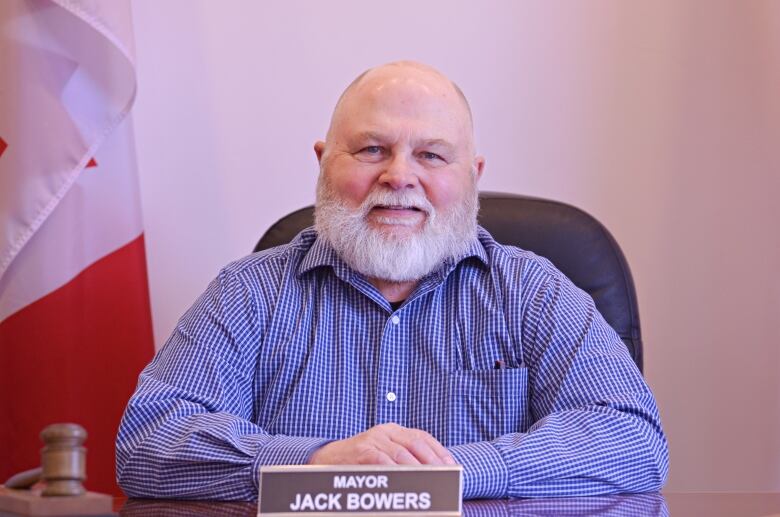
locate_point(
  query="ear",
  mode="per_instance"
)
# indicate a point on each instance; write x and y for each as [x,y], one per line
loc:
[319,150]
[479,167]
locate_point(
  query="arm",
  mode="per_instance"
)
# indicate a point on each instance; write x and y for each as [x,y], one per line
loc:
[596,426]
[187,431]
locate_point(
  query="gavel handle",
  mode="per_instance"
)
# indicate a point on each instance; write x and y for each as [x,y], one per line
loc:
[24,480]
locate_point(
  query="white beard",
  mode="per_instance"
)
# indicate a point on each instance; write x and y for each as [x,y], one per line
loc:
[382,255]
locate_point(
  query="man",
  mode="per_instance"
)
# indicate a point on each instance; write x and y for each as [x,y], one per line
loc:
[373,337]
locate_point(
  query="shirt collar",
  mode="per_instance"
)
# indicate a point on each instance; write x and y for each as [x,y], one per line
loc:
[322,254]
[476,250]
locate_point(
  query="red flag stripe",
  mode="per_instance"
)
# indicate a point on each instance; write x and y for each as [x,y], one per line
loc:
[74,356]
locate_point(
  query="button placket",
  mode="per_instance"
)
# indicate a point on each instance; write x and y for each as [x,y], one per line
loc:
[394,356]
[391,396]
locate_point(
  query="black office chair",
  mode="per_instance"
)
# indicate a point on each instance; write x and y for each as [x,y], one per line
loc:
[578,245]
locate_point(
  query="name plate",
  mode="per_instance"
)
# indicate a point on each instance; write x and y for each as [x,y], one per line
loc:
[360,489]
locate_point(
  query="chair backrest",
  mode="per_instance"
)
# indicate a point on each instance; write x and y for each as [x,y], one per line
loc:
[578,245]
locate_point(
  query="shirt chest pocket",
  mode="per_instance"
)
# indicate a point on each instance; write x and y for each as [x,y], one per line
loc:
[485,404]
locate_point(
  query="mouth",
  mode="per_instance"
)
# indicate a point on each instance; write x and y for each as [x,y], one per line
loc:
[395,215]
[397,208]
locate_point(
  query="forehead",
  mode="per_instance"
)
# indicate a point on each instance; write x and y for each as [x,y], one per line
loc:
[403,101]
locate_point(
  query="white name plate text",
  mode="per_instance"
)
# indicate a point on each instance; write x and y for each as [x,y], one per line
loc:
[360,489]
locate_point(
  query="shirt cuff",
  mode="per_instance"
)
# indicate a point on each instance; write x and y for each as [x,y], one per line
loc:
[485,474]
[286,450]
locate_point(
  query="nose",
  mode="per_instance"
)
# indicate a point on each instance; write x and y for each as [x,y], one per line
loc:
[399,173]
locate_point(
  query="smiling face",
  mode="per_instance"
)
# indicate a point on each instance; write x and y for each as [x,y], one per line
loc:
[401,127]
[399,164]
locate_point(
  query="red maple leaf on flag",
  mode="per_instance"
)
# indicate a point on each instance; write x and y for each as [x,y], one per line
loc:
[91,163]
[3,145]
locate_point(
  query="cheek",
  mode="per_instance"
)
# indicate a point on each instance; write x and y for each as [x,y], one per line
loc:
[444,192]
[351,185]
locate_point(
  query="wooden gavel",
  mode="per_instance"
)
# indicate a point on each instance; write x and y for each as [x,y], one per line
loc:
[63,470]
[63,462]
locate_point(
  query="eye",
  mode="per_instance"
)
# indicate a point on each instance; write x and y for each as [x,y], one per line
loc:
[427,155]
[370,153]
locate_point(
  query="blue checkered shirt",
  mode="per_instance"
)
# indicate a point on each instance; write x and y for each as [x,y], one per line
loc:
[289,349]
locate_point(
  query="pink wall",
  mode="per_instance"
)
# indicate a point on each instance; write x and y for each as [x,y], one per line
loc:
[661,118]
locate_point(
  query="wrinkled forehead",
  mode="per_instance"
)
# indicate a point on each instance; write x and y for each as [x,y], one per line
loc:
[397,107]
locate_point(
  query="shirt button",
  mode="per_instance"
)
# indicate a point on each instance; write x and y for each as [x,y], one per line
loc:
[390,396]
[396,320]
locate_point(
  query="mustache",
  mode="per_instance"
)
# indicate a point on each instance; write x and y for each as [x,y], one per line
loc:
[407,199]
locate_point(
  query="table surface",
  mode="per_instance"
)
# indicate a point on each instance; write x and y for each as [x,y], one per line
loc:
[716,504]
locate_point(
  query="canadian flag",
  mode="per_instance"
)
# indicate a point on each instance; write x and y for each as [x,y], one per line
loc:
[75,325]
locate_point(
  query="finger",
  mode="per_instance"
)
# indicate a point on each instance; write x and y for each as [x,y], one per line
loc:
[422,451]
[375,457]
[418,444]
[428,449]
[441,451]
[399,454]
[404,456]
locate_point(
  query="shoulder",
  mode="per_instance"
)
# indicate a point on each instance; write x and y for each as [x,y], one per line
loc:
[516,266]
[250,285]
[536,290]
[272,264]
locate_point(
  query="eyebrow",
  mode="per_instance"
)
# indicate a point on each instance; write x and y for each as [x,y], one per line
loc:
[378,137]
[437,142]
[368,135]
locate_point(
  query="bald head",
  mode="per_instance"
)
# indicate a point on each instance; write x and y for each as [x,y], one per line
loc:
[399,68]
[408,74]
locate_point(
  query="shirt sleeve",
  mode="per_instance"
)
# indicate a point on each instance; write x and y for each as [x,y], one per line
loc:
[188,430]
[596,426]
